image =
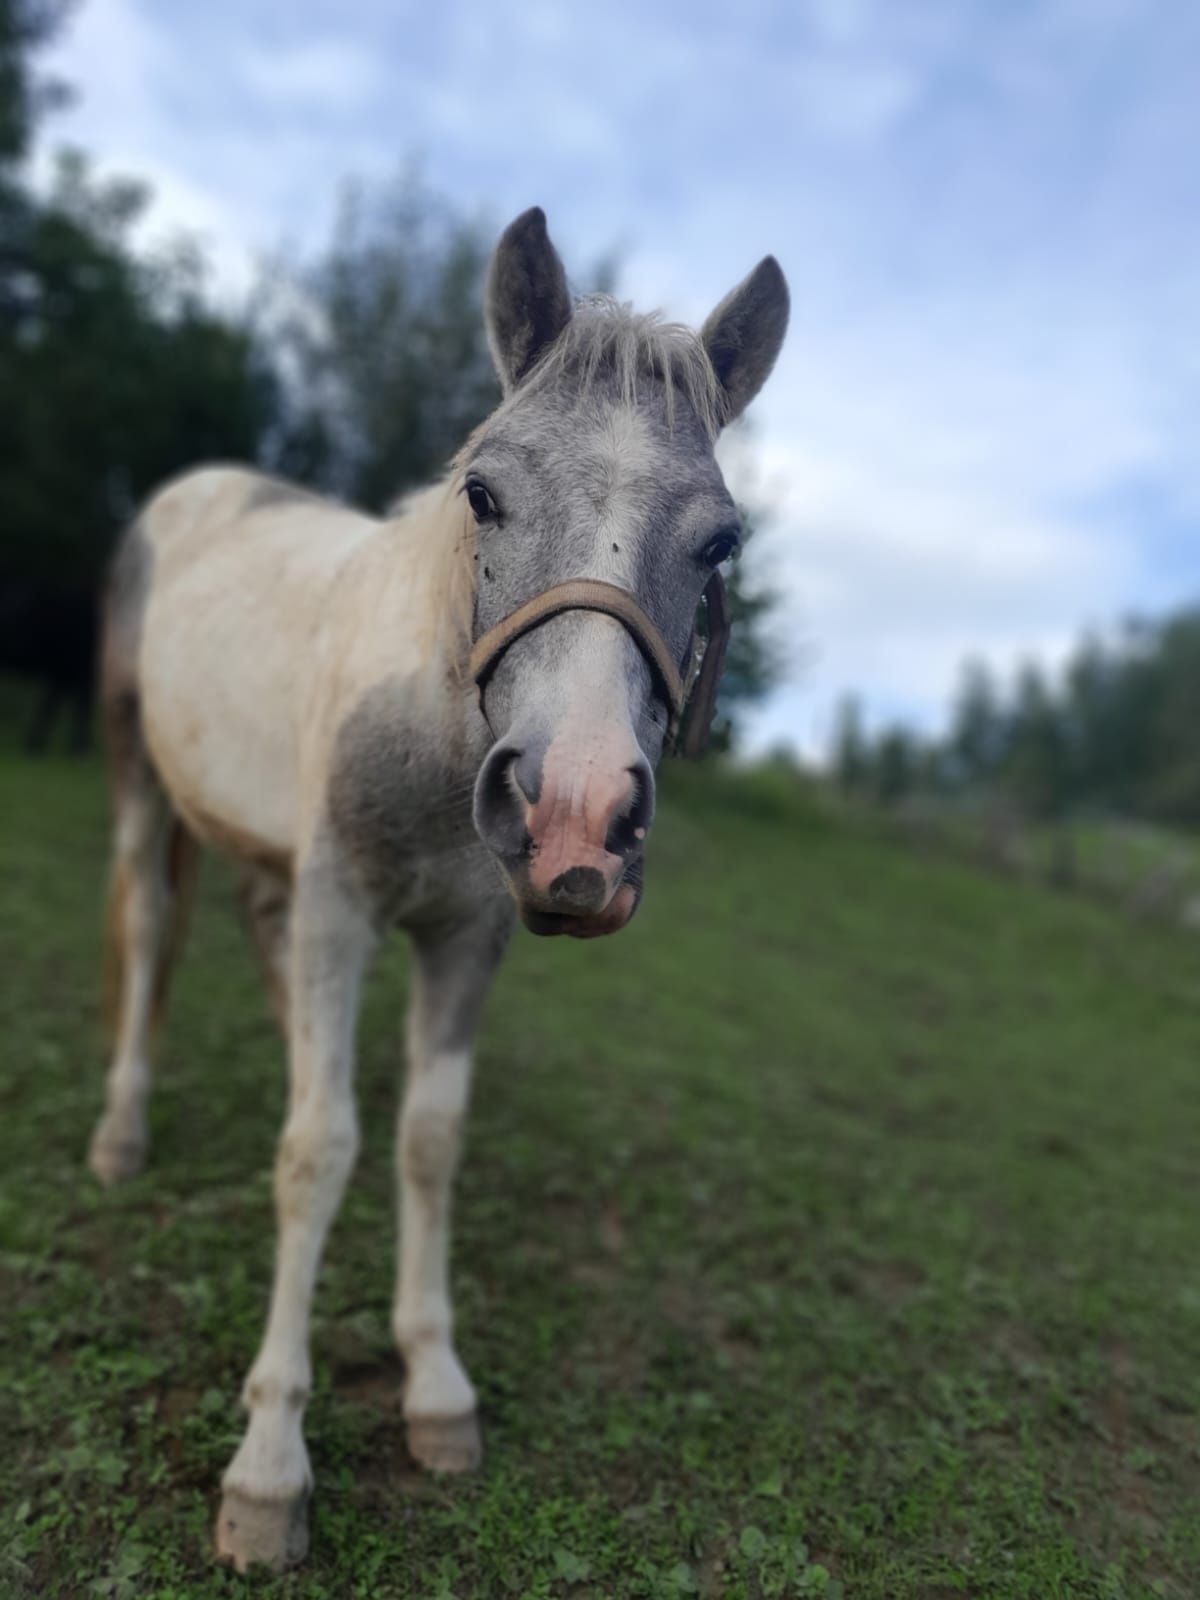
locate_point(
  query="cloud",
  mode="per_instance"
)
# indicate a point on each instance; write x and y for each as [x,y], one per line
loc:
[981,434]
[857,99]
[125,73]
[319,74]
[118,64]
[933,500]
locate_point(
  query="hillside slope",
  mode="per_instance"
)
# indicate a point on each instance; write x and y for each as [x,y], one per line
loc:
[832,1231]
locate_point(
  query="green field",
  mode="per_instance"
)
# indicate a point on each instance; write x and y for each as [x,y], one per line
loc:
[832,1232]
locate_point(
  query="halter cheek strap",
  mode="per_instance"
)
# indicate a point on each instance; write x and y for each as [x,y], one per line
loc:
[591,594]
[702,696]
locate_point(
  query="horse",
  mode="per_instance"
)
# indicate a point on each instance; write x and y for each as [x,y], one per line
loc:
[440,720]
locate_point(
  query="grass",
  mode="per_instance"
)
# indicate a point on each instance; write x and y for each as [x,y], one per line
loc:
[1110,854]
[832,1232]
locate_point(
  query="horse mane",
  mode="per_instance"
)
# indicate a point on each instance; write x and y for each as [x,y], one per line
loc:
[436,521]
[607,338]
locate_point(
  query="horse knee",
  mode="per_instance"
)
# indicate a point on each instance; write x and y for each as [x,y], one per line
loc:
[316,1155]
[139,830]
[144,910]
[141,891]
[429,1145]
[432,1121]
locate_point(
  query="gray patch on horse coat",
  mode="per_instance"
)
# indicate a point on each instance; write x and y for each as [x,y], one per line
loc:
[456,963]
[400,810]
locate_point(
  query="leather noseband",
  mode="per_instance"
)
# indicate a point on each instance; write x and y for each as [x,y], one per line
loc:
[697,692]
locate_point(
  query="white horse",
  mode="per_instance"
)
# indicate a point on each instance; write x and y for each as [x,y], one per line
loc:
[421,721]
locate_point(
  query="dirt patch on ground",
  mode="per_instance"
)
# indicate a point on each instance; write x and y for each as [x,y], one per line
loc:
[893,1283]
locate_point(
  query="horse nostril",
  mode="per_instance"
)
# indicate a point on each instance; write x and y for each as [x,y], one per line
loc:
[495,778]
[499,812]
[526,773]
[627,832]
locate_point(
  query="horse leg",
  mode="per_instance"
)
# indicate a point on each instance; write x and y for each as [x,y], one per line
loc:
[154,860]
[451,975]
[263,1515]
[266,897]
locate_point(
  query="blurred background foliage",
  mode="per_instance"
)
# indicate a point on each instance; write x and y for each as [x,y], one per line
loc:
[358,373]
[1115,733]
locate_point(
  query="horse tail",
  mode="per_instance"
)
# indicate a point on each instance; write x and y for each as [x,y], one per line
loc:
[153,850]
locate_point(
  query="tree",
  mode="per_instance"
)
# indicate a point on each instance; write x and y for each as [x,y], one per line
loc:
[896,762]
[1037,757]
[1171,786]
[753,659]
[24,25]
[385,337]
[1119,733]
[851,751]
[1089,688]
[114,375]
[977,733]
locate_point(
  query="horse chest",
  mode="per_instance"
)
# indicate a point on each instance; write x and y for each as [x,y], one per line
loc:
[399,807]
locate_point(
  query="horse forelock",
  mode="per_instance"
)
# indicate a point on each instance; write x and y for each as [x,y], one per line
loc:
[608,344]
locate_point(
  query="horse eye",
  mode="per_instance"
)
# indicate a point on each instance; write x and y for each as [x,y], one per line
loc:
[721,548]
[482,505]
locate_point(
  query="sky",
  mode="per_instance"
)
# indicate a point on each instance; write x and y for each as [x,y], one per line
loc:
[981,437]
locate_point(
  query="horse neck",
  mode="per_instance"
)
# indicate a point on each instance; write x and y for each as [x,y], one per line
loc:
[413,586]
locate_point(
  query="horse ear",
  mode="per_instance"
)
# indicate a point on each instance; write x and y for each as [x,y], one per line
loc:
[745,333]
[526,304]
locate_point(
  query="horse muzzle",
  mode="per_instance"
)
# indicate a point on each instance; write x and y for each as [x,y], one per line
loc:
[611,919]
[569,827]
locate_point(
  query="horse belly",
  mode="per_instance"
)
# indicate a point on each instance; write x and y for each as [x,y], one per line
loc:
[218,696]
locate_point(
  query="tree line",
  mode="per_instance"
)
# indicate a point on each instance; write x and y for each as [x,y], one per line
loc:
[1116,732]
[357,373]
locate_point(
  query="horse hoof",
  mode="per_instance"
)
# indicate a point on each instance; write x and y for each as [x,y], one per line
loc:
[262,1533]
[114,1158]
[446,1444]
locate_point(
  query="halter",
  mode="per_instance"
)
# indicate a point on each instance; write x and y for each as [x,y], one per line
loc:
[697,692]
